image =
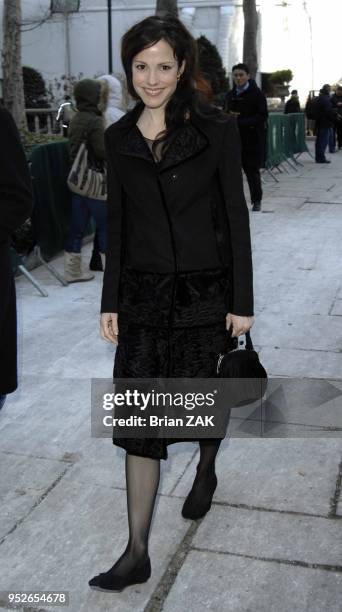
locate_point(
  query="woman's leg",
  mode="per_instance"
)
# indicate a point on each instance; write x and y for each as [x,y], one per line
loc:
[79,220]
[80,214]
[198,502]
[142,481]
[98,209]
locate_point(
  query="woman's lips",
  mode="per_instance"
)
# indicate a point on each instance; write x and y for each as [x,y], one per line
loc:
[153,92]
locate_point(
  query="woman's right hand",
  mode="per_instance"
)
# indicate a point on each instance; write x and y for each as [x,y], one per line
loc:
[109,326]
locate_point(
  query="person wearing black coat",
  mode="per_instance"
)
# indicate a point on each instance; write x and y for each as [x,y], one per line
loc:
[249,104]
[325,121]
[292,105]
[326,117]
[15,207]
[178,270]
[336,101]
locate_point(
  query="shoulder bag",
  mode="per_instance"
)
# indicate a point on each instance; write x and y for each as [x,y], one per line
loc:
[87,176]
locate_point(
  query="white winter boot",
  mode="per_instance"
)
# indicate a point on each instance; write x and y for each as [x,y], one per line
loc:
[73,272]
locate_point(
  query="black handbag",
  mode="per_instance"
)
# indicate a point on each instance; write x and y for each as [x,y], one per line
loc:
[243,363]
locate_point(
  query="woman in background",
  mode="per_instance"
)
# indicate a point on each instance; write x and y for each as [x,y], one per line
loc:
[87,125]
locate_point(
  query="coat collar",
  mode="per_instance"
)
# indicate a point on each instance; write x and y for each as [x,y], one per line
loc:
[189,141]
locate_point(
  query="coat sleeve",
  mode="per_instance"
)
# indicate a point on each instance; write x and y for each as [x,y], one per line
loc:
[238,220]
[15,182]
[111,277]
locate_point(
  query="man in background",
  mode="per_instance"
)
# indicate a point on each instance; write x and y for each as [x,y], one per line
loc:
[15,207]
[336,101]
[292,105]
[325,121]
[247,102]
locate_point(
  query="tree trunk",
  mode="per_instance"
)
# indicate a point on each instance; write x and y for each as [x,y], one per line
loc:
[13,84]
[250,54]
[167,7]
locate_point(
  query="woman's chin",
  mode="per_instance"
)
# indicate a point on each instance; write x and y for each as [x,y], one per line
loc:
[154,102]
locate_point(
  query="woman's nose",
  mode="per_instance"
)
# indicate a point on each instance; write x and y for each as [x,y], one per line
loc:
[152,77]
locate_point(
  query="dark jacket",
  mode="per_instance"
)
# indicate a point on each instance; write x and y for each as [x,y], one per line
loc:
[326,116]
[15,207]
[336,102]
[88,123]
[292,105]
[160,215]
[252,106]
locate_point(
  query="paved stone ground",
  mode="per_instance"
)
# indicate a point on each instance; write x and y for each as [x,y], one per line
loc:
[272,540]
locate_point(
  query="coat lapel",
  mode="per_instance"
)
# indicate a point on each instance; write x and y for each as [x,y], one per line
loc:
[188,142]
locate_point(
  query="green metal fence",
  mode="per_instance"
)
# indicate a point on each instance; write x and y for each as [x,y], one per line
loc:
[285,138]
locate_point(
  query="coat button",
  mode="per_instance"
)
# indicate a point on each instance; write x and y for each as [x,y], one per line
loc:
[174,177]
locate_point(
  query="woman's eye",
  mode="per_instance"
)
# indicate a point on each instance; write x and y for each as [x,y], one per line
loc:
[166,67]
[140,66]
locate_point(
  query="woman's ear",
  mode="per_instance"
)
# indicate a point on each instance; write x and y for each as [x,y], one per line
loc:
[181,68]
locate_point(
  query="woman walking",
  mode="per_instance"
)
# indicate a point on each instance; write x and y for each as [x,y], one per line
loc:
[179,267]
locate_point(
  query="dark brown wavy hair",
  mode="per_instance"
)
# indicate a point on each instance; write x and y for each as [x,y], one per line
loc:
[188,97]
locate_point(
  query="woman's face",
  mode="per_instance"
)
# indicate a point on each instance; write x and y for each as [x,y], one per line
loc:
[154,72]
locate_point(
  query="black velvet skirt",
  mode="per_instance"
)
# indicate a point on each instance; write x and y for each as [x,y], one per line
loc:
[170,325]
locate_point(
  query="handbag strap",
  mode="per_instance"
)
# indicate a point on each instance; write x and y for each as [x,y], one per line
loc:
[249,343]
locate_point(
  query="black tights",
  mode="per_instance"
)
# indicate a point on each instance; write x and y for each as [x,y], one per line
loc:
[142,481]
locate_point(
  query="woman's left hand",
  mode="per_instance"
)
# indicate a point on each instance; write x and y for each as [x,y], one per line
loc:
[241,325]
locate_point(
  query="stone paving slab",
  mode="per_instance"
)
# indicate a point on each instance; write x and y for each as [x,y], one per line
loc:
[51,422]
[220,582]
[96,363]
[337,309]
[283,474]
[266,535]
[20,403]
[330,200]
[298,363]
[54,339]
[27,480]
[78,531]
[302,332]
[294,296]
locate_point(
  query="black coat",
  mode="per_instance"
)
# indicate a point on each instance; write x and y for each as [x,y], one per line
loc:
[336,102]
[252,106]
[162,216]
[326,115]
[292,106]
[15,207]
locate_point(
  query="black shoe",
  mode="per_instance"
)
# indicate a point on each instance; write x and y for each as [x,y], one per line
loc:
[196,507]
[110,582]
[95,263]
[256,206]
[325,161]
